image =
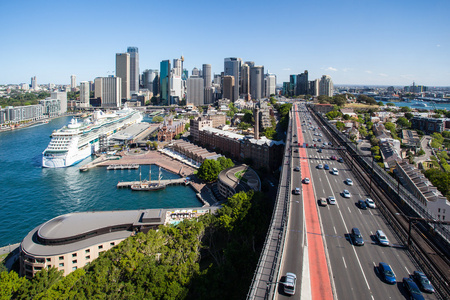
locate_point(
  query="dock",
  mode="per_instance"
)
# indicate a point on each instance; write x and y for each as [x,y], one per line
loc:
[178,181]
[122,167]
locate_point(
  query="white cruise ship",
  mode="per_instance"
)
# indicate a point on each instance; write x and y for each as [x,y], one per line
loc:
[78,140]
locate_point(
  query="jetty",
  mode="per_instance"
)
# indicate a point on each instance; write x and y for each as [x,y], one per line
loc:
[122,167]
[177,181]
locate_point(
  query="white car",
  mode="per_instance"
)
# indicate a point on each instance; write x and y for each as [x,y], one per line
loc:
[382,239]
[335,171]
[331,200]
[346,194]
[306,180]
[370,203]
[319,166]
[348,181]
[297,191]
[289,283]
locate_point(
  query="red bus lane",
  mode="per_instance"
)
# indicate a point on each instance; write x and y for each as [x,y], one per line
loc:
[318,269]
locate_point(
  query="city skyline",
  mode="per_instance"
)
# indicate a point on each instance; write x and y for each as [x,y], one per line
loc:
[382,43]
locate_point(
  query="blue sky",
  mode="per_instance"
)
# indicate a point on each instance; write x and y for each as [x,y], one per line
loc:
[381,42]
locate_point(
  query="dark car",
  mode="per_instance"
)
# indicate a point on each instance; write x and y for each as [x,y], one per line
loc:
[326,167]
[386,273]
[333,157]
[362,204]
[412,289]
[357,238]
[423,282]
[341,160]
[320,150]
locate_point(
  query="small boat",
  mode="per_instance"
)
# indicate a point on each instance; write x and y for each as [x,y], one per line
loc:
[147,185]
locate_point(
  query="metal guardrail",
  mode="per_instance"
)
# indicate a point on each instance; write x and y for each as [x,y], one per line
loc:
[262,288]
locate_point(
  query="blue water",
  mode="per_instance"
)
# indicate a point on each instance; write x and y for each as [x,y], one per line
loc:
[413,104]
[31,195]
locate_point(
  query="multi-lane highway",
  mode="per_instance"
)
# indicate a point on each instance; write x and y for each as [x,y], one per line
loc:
[350,271]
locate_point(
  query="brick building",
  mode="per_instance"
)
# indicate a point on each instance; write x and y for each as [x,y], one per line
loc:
[169,129]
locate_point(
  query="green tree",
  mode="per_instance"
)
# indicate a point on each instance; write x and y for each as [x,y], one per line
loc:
[405,109]
[187,126]
[403,122]
[209,170]
[10,282]
[389,126]
[389,104]
[340,126]
[248,116]
[244,126]
[157,119]
[225,163]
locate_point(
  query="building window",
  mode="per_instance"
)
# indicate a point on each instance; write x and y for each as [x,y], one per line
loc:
[61,264]
[48,259]
[74,268]
[439,210]
[88,257]
[100,247]
[87,251]
[111,244]
[74,261]
[74,255]
[61,258]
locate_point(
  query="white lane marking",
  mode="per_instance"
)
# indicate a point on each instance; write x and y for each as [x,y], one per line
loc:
[335,232]
[344,262]
[349,209]
[407,270]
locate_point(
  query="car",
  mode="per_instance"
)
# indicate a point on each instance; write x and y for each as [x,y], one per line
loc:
[329,143]
[289,283]
[319,140]
[296,151]
[341,160]
[346,194]
[386,273]
[304,131]
[423,282]
[295,142]
[362,204]
[335,171]
[306,180]
[322,202]
[333,157]
[331,200]
[320,150]
[295,135]
[356,236]
[297,191]
[348,181]
[370,203]
[319,166]
[412,289]
[326,167]
[297,169]
[381,237]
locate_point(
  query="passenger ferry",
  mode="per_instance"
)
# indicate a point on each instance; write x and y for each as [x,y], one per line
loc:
[78,140]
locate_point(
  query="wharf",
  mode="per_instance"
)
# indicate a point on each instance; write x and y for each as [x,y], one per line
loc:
[122,167]
[178,181]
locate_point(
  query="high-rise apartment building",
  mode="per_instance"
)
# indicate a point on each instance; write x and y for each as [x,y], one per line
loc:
[109,90]
[270,84]
[150,80]
[228,87]
[292,84]
[232,67]
[195,90]
[73,81]
[313,89]
[176,89]
[134,69]
[257,82]
[195,72]
[164,81]
[302,84]
[62,97]
[84,94]
[123,72]
[326,86]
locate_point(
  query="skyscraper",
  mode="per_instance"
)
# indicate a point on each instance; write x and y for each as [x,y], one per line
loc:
[33,83]
[270,84]
[177,67]
[84,94]
[151,81]
[195,90]
[73,81]
[164,81]
[245,78]
[206,75]
[195,72]
[228,87]
[232,67]
[134,69]
[326,86]
[109,90]
[314,87]
[302,84]
[257,82]
[123,72]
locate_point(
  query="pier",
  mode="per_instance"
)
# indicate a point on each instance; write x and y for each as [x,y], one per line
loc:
[178,181]
[122,167]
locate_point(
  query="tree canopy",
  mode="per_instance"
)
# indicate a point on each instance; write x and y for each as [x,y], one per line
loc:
[210,168]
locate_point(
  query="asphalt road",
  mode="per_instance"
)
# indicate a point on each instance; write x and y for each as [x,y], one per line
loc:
[352,269]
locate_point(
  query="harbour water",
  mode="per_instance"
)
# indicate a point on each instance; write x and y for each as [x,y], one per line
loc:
[31,195]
